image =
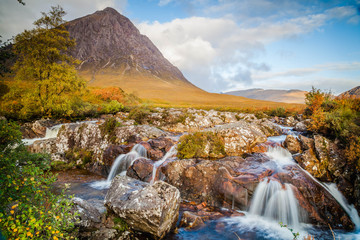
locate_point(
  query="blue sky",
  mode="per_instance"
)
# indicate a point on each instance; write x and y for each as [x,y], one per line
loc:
[234,44]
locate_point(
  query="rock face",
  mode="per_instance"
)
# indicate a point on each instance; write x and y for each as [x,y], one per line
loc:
[352,93]
[148,208]
[108,40]
[92,148]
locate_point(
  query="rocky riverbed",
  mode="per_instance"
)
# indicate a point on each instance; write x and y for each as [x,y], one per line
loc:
[163,196]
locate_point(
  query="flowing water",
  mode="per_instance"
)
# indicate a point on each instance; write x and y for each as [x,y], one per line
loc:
[170,153]
[120,165]
[276,202]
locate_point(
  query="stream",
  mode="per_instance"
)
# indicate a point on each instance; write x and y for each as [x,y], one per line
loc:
[271,203]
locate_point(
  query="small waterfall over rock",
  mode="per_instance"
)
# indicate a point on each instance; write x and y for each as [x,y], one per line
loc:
[124,161]
[121,164]
[170,153]
[280,155]
[275,201]
[51,132]
[349,209]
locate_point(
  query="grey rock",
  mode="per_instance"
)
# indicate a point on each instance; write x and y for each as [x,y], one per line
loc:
[292,143]
[89,216]
[300,127]
[148,208]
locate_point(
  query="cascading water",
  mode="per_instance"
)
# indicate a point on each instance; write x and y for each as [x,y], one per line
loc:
[277,202]
[120,165]
[280,156]
[349,209]
[170,153]
[50,133]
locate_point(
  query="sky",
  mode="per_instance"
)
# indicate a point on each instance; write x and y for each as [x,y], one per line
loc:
[228,45]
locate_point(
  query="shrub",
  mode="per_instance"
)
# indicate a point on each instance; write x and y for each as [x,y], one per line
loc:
[28,209]
[201,145]
[278,112]
[139,114]
[333,117]
[108,128]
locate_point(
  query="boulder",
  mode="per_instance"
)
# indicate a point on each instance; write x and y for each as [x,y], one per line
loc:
[241,137]
[300,127]
[89,216]
[148,208]
[141,169]
[216,186]
[137,133]
[329,155]
[292,143]
[111,153]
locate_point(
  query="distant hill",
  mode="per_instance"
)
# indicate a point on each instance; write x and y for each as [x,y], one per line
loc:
[287,96]
[352,93]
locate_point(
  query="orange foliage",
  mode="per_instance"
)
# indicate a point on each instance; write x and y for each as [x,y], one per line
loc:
[109,94]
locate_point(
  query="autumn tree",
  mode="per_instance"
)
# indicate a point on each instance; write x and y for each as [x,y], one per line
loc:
[46,74]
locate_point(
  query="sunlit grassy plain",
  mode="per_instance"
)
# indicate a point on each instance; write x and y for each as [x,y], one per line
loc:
[176,93]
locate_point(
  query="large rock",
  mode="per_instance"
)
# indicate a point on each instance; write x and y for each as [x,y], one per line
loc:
[141,169]
[292,143]
[137,133]
[148,208]
[212,181]
[89,216]
[242,137]
[300,127]
[329,155]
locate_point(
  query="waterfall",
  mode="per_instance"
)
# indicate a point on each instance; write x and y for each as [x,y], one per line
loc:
[51,132]
[120,165]
[280,156]
[283,157]
[170,153]
[275,201]
[124,161]
[349,209]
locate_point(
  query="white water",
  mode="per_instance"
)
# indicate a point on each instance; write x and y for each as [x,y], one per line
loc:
[170,153]
[120,165]
[277,202]
[264,228]
[280,156]
[349,209]
[50,133]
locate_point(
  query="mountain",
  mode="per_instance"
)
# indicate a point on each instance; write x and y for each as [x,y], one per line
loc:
[352,93]
[288,96]
[113,52]
[106,40]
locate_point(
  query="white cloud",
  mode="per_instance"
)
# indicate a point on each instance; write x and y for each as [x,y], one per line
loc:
[217,53]
[164,2]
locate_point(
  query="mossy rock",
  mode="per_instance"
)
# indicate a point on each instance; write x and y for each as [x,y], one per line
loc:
[207,145]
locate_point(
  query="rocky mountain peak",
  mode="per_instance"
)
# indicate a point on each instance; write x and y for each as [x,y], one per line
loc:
[108,41]
[352,93]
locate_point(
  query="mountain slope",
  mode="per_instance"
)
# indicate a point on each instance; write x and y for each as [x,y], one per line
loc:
[352,93]
[288,96]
